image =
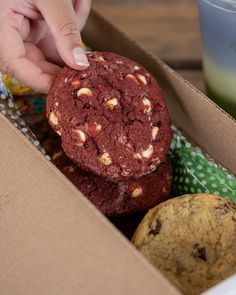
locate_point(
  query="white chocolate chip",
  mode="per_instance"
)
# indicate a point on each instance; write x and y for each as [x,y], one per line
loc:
[56,155]
[120,62]
[66,80]
[131,77]
[136,68]
[147,105]
[142,79]
[69,169]
[154,132]
[53,119]
[137,192]
[148,152]
[153,166]
[137,156]
[58,132]
[111,103]
[105,159]
[56,104]
[84,91]
[82,136]
[98,127]
[99,59]
[144,153]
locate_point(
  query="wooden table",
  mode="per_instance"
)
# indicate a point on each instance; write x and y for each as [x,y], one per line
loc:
[169,28]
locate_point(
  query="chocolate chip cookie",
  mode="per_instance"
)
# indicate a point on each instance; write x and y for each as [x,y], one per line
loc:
[191,239]
[111,117]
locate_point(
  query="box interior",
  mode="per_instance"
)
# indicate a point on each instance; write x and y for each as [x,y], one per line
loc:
[53,240]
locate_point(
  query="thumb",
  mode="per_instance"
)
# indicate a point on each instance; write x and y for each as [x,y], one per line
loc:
[61,19]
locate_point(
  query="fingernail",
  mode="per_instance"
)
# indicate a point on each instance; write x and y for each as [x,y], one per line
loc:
[80,57]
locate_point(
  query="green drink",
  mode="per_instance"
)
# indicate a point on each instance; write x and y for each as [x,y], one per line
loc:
[218,24]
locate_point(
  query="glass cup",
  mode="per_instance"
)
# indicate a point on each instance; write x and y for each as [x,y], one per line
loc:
[218,26]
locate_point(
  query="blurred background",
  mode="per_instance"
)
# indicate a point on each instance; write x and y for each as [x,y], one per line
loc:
[169,28]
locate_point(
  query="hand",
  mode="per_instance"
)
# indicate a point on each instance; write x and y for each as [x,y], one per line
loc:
[38,35]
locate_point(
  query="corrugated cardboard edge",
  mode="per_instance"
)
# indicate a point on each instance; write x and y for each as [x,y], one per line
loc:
[203,121]
[53,241]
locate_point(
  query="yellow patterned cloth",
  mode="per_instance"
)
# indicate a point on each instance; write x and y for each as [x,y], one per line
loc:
[15,87]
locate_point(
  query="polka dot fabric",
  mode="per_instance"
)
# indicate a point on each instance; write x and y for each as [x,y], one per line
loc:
[193,171]
[196,173]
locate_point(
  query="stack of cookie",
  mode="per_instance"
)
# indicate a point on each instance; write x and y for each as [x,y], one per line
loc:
[115,132]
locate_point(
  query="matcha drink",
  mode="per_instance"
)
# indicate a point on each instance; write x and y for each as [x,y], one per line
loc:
[218,24]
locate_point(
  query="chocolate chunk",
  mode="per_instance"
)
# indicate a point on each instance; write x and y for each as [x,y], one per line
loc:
[232,204]
[155,227]
[179,267]
[224,208]
[199,252]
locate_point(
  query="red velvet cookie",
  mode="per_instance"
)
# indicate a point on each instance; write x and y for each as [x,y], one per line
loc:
[111,117]
[116,199]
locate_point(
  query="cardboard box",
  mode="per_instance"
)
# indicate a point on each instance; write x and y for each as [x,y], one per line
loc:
[53,241]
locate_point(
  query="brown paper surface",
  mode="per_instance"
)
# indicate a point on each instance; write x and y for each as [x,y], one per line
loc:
[53,241]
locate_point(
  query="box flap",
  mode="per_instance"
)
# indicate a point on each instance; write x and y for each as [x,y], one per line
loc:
[53,241]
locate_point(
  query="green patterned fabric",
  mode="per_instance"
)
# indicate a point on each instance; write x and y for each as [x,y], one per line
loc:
[195,172]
